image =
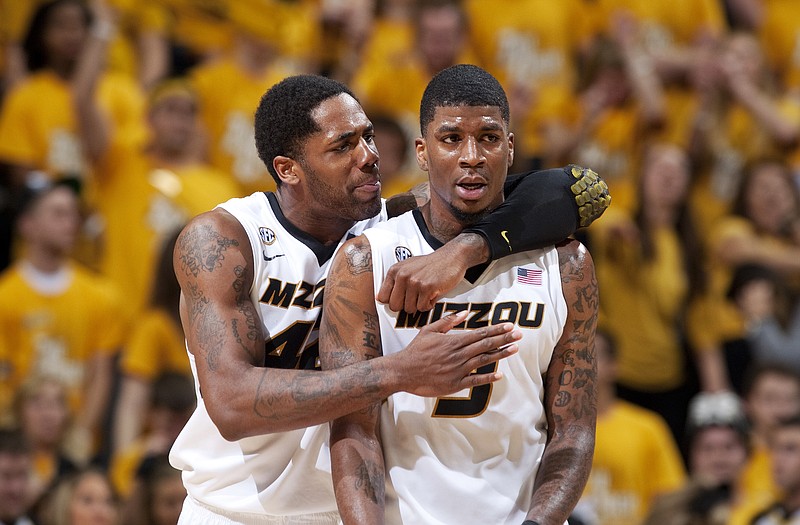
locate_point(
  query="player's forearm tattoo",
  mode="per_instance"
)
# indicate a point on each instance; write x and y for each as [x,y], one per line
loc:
[369,480]
[570,394]
[202,249]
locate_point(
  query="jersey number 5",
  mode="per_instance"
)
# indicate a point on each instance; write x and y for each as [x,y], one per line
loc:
[472,405]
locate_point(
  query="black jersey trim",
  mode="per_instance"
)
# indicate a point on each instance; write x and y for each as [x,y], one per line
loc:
[322,251]
[473,274]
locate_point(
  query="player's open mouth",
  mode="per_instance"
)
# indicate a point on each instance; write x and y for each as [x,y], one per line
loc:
[471,190]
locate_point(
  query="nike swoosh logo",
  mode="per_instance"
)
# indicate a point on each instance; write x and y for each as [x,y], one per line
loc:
[275,257]
[503,235]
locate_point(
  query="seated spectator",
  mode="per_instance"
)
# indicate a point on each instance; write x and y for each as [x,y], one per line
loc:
[771,394]
[43,416]
[785,452]
[717,442]
[85,497]
[158,494]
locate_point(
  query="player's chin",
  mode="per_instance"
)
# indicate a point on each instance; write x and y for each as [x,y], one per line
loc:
[368,208]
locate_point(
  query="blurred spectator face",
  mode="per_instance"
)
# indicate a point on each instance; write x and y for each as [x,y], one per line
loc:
[773,397]
[44,413]
[786,459]
[92,502]
[392,145]
[770,200]
[440,36]
[66,32]
[742,53]
[15,483]
[665,176]
[54,220]
[168,495]
[173,122]
[717,454]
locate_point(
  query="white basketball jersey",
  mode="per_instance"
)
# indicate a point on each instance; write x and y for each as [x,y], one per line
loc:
[286,473]
[471,457]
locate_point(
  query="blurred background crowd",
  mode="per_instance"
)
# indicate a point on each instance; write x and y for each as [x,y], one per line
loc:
[121,119]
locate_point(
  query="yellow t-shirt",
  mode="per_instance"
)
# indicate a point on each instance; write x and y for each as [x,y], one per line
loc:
[609,150]
[635,460]
[38,125]
[55,334]
[228,99]
[757,481]
[140,204]
[646,306]
[156,345]
[530,45]
[395,87]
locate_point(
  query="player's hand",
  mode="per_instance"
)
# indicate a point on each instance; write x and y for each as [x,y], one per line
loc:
[416,283]
[439,363]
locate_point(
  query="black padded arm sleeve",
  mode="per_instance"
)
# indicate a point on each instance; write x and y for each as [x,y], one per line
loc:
[542,208]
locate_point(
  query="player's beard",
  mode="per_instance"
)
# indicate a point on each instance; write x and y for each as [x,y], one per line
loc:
[345,204]
[468,218]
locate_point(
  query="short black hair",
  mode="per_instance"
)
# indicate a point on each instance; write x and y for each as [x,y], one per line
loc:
[462,85]
[37,185]
[283,117]
[33,42]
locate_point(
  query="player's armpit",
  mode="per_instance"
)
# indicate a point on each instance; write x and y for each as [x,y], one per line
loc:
[570,394]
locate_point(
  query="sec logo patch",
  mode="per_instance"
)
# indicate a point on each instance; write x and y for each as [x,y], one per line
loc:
[267,235]
[402,253]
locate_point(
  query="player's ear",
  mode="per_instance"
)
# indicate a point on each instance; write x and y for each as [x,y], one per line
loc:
[420,149]
[510,149]
[287,169]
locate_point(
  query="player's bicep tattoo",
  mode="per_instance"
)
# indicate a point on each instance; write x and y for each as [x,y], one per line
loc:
[359,257]
[202,249]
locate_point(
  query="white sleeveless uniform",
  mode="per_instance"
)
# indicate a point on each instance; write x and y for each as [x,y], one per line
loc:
[473,457]
[287,473]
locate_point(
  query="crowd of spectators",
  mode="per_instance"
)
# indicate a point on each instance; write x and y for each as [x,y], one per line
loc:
[121,119]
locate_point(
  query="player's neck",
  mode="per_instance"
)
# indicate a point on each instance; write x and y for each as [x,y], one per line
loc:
[442,225]
[325,227]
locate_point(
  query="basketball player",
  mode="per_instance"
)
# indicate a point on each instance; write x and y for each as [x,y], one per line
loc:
[252,273]
[513,451]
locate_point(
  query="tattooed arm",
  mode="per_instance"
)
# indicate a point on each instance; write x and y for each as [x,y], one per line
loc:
[570,395]
[214,265]
[350,333]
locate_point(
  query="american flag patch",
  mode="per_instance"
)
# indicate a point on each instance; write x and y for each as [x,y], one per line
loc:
[529,276]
